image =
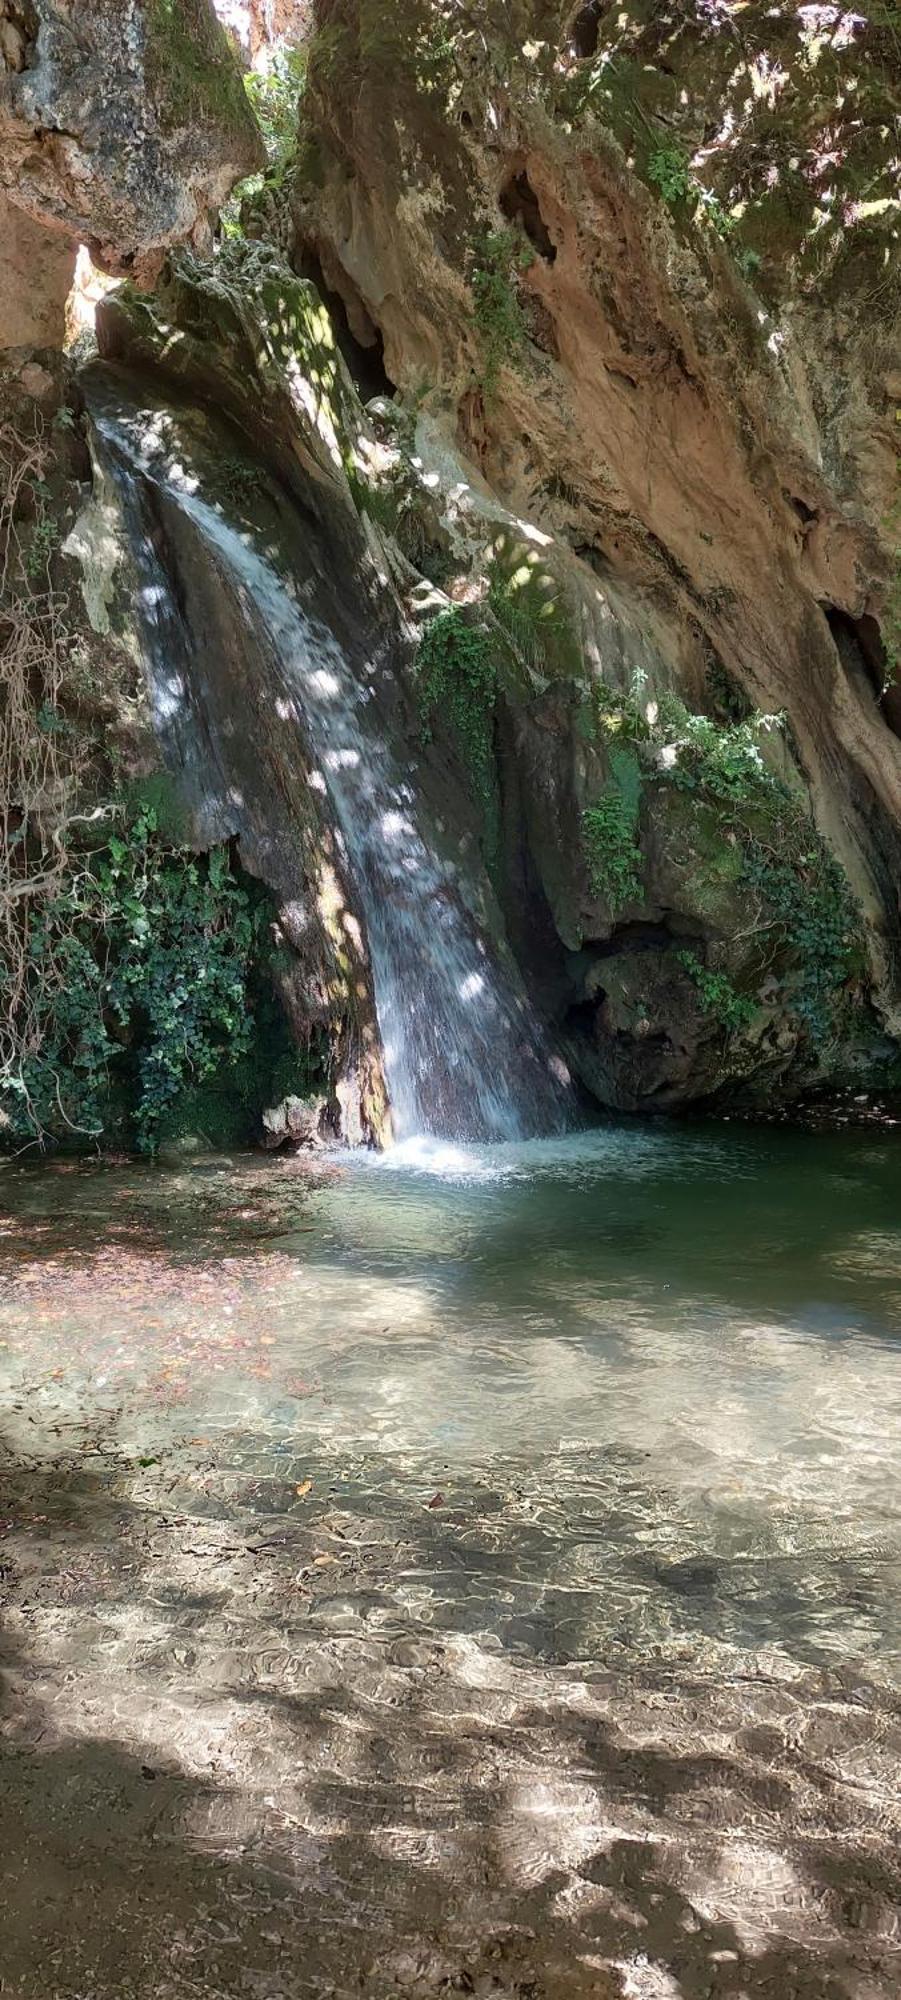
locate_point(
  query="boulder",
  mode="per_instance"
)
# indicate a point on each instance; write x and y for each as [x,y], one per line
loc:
[123,123]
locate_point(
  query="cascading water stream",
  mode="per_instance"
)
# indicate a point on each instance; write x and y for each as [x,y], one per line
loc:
[463,1056]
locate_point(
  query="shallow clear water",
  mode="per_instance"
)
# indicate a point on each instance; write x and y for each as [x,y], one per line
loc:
[454,1573]
[653,1374]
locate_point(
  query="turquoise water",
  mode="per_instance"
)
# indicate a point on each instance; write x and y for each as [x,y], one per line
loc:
[679,1350]
[462,1572]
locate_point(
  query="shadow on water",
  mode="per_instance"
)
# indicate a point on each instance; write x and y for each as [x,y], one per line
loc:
[388,1812]
[476,1583]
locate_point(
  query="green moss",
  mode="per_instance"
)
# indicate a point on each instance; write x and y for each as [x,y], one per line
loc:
[610,832]
[189,66]
[457,681]
[497,310]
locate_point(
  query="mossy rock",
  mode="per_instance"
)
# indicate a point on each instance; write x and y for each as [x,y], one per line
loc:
[190,71]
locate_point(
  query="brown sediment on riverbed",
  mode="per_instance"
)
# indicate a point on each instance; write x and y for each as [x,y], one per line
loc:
[413,1600]
[236,1765]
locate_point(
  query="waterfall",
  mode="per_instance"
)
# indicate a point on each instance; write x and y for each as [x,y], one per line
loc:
[464,1057]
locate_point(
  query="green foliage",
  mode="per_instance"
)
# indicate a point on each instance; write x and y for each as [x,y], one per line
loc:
[138,970]
[610,832]
[275,94]
[724,760]
[728,699]
[457,678]
[45,533]
[240,483]
[498,312]
[748,261]
[808,901]
[891,621]
[732,1010]
[802,896]
[669,170]
[747,828]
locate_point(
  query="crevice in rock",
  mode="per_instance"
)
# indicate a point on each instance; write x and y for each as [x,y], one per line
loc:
[800,507]
[582,1017]
[519,203]
[359,339]
[583,34]
[863,656]
[644,934]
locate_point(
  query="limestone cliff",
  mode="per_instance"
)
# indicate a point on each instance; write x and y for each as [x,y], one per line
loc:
[641,266]
[609,465]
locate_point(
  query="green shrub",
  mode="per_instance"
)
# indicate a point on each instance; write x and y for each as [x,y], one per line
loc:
[139,970]
[498,312]
[799,903]
[275,94]
[731,1009]
[805,904]
[669,170]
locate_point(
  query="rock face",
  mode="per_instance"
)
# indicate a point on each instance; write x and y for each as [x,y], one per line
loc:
[248,338]
[264,24]
[639,268]
[620,291]
[36,271]
[123,123]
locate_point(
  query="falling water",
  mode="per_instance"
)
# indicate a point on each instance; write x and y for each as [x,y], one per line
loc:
[464,1058]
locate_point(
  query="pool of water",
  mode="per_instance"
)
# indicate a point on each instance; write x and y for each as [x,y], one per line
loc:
[626,1404]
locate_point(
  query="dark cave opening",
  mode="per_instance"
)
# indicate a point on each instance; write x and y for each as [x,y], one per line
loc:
[585,28]
[520,203]
[364,357]
[863,656]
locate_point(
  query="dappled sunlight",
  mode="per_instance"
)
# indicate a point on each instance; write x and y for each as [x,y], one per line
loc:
[801,169]
[454,1562]
[450,1067]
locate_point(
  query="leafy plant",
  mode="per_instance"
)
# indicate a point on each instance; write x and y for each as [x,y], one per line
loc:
[457,678]
[137,979]
[800,908]
[498,312]
[669,170]
[275,94]
[802,895]
[45,534]
[731,1009]
[610,832]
